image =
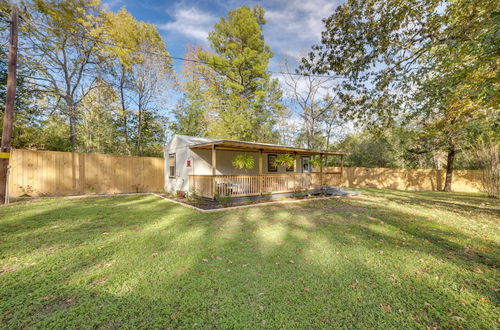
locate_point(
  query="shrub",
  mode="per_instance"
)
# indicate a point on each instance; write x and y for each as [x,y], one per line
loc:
[224,200]
[488,155]
[194,197]
[27,190]
[315,162]
[299,194]
[137,187]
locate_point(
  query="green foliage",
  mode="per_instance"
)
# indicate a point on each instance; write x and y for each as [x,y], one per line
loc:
[194,197]
[315,161]
[244,100]
[84,83]
[243,162]
[224,200]
[429,63]
[285,160]
[299,194]
[190,113]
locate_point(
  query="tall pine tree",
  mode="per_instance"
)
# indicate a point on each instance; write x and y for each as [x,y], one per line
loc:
[243,96]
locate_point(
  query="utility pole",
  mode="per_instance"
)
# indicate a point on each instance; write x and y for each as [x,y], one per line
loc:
[9,104]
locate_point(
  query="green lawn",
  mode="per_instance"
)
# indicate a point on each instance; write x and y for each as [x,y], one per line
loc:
[385,259]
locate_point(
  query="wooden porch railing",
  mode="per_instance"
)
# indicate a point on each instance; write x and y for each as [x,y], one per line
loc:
[251,185]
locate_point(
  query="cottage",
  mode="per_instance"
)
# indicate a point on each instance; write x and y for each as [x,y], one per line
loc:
[205,166]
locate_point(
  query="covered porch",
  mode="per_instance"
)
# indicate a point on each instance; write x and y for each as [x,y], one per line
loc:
[262,183]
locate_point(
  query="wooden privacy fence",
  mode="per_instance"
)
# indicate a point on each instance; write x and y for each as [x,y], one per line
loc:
[53,173]
[354,177]
[406,179]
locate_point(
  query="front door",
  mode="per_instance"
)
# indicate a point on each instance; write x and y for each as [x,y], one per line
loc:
[306,166]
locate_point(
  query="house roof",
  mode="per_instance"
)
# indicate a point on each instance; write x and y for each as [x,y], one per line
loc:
[224,144]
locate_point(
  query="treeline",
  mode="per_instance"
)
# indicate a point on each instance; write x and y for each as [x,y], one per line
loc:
[89,79]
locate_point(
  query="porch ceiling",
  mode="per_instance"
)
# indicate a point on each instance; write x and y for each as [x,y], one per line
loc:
[265,147]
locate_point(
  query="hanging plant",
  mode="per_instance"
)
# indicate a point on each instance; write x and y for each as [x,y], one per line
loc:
[315,162]
[285,160]
[243,162]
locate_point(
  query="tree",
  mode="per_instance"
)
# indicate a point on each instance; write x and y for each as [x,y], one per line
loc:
[151,81]
[98,130]
[63,43]
[139,67]
[190,115]
[245,99]
[315,105]
[430,61]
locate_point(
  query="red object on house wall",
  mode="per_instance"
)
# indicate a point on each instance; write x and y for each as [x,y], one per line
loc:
[188,163]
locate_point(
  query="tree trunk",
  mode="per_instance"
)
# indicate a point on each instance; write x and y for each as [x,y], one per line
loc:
[72,122]
[449,169]
[124,110]
[139,131]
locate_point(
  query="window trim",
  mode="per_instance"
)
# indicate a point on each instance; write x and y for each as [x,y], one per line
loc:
[270,166]
[170,166]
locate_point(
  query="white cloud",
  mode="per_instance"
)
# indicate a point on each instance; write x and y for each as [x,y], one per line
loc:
[293,26]
[190,22]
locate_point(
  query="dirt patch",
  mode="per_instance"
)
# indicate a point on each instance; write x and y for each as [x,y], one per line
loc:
[8,269]
[57,305]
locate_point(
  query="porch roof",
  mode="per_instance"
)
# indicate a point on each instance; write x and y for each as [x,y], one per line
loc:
[265,147]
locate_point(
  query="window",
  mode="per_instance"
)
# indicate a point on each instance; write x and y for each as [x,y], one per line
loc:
[171,165]
[270,163]
[306,168]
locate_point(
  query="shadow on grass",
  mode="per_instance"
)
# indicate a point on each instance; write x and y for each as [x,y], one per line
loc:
[318,264]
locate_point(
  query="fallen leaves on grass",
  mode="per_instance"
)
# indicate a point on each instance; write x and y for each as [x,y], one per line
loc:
[354,285]
[386,308]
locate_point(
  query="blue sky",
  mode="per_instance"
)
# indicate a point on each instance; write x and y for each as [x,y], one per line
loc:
[292,27]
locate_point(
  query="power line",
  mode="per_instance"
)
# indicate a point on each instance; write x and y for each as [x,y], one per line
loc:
[148,52]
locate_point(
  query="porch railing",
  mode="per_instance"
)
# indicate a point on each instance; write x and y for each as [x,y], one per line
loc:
[251,185]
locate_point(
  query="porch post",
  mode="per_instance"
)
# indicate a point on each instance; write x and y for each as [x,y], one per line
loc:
[214,166]
[320,171]
[295,169]
[261,178]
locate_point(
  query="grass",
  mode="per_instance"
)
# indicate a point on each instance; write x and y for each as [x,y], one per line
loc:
[385,259]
